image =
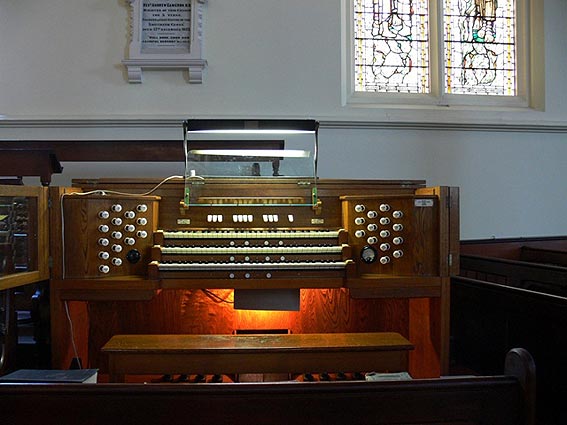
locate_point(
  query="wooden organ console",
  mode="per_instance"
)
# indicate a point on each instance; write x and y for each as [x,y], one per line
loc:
[139,256]
[358,240]
[376,240]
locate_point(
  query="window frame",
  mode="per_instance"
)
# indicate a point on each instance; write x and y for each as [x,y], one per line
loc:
[525,58]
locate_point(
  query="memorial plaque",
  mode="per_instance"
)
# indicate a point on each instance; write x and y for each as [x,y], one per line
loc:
[166,25]
[166,34]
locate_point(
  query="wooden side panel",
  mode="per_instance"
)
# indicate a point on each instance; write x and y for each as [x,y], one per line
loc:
[56,195]
[449,222]
[69,331]
[454,230]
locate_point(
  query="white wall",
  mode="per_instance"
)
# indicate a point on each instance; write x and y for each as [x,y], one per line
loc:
[61,78]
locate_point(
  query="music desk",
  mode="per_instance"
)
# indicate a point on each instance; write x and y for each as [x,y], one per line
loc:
[265,353]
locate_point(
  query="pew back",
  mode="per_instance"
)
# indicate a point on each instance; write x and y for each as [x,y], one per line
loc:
[540,277]
[555,257]
[496,400]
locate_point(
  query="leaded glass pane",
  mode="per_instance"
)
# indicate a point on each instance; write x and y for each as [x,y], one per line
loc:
[480,47]
[391,46]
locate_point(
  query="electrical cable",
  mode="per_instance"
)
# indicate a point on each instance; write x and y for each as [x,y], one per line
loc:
[72,333]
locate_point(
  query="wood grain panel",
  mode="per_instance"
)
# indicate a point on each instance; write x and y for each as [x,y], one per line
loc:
[195,312]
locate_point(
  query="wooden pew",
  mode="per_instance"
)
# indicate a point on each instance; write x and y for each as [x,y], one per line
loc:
[488,318]
[497,400]
[513,292]
[545,278]
[555,257]
[510,248]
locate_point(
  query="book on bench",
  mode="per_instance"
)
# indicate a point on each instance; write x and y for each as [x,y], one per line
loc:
[39,376]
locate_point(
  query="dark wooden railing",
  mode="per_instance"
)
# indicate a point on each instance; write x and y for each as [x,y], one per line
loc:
[497,400]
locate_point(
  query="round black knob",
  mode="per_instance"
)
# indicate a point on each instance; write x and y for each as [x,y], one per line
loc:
[133,256]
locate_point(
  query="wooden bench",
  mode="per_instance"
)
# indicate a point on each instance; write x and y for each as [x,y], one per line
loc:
[496,400]
[266,353]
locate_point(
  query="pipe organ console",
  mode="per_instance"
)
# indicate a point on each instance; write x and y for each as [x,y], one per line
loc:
[349,239]
[261,225]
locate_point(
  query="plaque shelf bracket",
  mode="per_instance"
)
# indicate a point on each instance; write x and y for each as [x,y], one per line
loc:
[194,66]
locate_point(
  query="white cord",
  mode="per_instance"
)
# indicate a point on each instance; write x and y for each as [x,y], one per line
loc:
[114,192]
[72,332]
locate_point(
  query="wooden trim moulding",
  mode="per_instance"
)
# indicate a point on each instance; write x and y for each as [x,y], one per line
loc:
[176,122]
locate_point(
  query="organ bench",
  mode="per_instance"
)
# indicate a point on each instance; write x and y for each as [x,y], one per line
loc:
[268,353]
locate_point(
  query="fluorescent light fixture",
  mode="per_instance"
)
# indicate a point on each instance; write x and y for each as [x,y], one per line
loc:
[250,126]
[264,153]
[251,131]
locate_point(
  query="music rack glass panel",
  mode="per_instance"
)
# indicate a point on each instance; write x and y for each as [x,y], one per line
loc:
[248,151]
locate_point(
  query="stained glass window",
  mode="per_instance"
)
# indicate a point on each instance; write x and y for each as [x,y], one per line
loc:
[392,45]
[480,54]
